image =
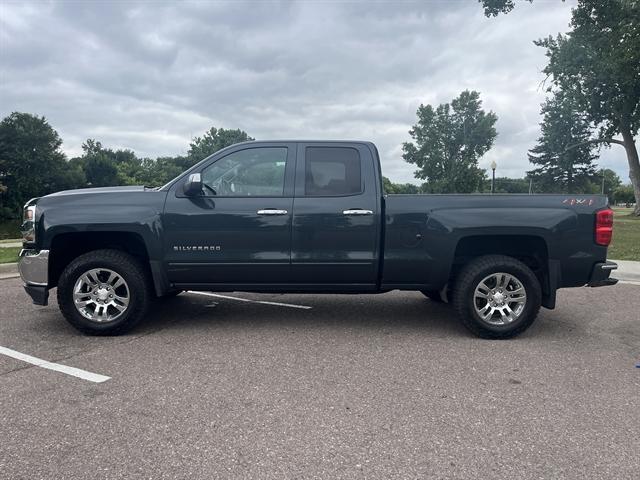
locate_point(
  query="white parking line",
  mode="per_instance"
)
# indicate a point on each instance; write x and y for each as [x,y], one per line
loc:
[240,299]
[75,372]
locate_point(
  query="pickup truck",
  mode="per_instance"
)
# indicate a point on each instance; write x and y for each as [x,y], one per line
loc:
[308,216]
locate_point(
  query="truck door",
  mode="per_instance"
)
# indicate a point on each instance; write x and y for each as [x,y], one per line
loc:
[336,220]
[238,231]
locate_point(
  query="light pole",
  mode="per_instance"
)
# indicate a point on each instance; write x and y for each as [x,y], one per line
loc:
[493,176]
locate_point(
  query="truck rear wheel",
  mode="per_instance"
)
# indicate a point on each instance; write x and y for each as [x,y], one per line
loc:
[497,297]
[104,292]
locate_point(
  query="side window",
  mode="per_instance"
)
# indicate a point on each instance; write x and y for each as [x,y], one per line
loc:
[332,171]
[254,172]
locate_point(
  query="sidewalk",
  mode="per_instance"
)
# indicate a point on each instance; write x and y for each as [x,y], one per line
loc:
[17,243]
[628,271]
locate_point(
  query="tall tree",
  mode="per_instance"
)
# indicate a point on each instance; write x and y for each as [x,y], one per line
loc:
[610,180]
[448,142]
[562,166]
[213,140]
[598,64]
[31,162]
[99,164]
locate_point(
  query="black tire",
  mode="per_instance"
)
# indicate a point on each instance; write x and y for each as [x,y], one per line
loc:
[127,267]
[432,295]
[471,276]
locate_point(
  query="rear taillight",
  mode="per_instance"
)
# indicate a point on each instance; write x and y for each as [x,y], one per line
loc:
[604,226]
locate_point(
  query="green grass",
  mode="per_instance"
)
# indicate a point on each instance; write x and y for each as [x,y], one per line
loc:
[626,235]
[9,255]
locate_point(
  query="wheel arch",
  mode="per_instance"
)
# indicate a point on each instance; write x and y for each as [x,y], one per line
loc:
[67,246]
[532,250]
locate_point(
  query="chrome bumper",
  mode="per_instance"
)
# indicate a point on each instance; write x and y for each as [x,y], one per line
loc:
[34,267]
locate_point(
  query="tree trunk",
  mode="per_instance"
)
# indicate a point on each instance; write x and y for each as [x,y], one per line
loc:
[634,164]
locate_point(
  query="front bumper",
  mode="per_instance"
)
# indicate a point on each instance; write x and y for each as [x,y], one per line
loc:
[34,271]
[600,274]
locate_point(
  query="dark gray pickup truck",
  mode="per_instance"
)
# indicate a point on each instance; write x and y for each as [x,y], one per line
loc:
[309,216]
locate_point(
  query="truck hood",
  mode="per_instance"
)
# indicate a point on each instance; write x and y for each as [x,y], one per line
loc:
[81,191]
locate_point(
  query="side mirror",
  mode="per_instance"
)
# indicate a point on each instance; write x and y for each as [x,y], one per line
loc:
[193,185]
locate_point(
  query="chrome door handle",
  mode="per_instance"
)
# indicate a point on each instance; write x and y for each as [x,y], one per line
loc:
[272,211]
[357,211]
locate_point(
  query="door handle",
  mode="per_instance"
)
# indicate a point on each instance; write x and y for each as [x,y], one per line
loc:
[272,211]
[357,211]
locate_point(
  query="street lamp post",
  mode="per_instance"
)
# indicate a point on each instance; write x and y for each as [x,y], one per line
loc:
[493,176]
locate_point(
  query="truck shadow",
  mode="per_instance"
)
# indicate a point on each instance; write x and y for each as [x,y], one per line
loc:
[406,312]
[393,312]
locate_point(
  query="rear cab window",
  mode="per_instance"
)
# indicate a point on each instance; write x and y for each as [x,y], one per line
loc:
[332,172]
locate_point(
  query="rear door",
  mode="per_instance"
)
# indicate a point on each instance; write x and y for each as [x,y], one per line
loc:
[336,221]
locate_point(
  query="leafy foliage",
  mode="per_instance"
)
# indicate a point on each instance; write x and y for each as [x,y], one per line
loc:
[448,142]
[598,65]
[398,188]
[492,8]
[31,162]
[623,194]
[507,185]
[563,156]
[213,140]
[611,182]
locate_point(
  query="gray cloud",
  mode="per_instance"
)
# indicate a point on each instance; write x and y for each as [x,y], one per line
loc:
[150,75]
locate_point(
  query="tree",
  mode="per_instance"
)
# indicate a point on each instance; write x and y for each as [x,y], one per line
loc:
[598,64]
[31,162]
[507,185]
[611,182]
[623,194]
[494,7]
[212,141]
[449,141]
[399,188]
[99,164]
[560,168]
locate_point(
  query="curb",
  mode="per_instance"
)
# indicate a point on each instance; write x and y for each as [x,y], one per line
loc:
[628,270]
[8,268]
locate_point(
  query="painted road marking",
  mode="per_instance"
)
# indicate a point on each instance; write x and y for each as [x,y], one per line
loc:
[74,372]
[240,299]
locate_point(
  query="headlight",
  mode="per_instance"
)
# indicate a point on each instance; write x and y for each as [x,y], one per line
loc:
[29,223]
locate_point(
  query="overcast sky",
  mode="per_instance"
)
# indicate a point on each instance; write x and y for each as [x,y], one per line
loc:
[149,76]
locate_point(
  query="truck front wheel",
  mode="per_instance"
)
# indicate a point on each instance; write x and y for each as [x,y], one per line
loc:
[104,292]
[497,296]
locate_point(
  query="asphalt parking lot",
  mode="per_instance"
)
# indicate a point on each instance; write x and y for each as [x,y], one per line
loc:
[386,386]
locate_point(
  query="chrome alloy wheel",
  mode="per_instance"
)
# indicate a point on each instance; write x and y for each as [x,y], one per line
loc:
[499,299]
[101,295]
